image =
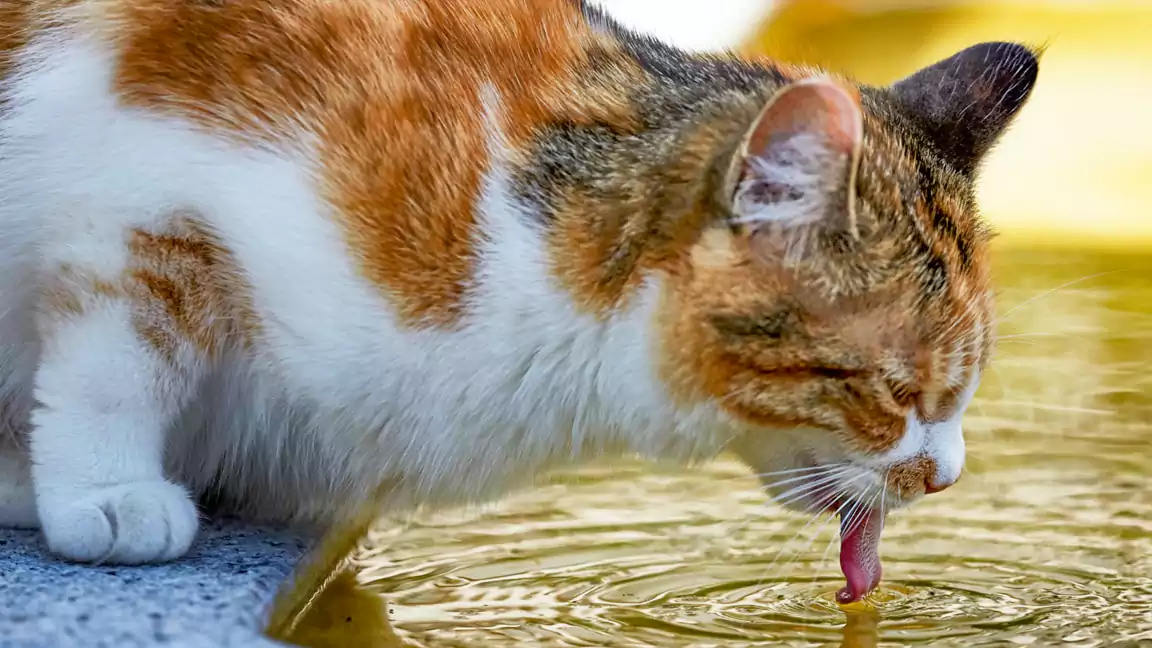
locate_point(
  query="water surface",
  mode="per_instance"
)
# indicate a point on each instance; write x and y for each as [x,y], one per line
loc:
[1047,539]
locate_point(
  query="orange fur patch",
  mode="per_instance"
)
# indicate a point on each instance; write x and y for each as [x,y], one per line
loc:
[13,32]
[396,105]
[187,287]
[182,284]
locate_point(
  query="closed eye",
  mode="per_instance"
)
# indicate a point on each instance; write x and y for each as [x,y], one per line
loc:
[814,371]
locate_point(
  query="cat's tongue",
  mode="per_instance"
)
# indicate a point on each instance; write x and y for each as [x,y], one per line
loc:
[860,553]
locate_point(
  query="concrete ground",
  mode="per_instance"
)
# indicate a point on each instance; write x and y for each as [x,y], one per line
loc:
[217,596]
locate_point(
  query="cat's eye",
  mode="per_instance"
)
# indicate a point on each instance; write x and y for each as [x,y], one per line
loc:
[767,326]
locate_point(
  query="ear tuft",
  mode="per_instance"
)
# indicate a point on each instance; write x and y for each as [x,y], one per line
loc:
[795,169]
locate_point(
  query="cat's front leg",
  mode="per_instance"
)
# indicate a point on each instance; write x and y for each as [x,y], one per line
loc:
[110,382]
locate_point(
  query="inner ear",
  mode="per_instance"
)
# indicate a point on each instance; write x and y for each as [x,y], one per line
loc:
[965,102]
[796,166]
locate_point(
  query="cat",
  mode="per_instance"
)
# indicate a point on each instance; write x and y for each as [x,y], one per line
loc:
[290,255]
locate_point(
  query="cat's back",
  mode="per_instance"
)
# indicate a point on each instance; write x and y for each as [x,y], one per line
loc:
[336,151]
[390,106]
[235,63]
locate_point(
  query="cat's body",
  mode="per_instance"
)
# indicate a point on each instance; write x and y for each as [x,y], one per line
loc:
[311,252]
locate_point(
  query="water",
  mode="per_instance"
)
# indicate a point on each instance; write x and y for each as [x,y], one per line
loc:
[1046,540]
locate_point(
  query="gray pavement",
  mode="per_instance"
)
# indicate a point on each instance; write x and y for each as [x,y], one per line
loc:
[218,595]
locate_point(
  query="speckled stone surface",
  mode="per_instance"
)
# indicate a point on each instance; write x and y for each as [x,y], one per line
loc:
[216,596]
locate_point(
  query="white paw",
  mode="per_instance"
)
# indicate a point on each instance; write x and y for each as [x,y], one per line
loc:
[139,522]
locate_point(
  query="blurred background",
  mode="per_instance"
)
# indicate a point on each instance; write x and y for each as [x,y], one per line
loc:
[1048,537]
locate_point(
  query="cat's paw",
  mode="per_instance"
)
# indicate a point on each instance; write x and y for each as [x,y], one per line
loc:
[134,523]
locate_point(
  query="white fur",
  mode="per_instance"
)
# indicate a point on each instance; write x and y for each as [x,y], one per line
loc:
[338,397]
[98,379]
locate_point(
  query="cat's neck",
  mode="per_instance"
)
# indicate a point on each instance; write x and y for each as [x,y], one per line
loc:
[581,230]
[594,375]
[557,359]
[626,198]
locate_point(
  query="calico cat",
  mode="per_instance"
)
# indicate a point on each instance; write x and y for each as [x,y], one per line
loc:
[298,254]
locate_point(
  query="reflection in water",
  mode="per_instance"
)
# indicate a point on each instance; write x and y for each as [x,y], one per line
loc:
[861,628]
[1047,539]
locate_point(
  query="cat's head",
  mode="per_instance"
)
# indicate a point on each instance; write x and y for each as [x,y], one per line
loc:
[841,312]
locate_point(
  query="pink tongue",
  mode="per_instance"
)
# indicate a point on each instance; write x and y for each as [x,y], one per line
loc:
[860,553]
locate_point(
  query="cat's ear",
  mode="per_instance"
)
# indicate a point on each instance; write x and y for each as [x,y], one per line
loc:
[966,101]
[792,179]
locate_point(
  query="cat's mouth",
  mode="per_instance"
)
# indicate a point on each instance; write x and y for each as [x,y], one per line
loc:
[860,552]
[824,486]
[860,530]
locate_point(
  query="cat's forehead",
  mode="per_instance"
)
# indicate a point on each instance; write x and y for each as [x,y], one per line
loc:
[928,207]
[925,212]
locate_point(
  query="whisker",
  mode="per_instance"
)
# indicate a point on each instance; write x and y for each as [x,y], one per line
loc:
[1013,341]
[810,470]
[860,513]
[812,539]
[824,559]
[809,478]
[1046,407]
[1041,334]
[800,470]
[884,489]
[797,492]
[1049,292]
[831,541]
[847,521]
[825,509]
[812,478]
[817,480]
[768,569]
[827,518]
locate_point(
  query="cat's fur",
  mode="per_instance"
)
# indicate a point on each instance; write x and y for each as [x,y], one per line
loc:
[300,253]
